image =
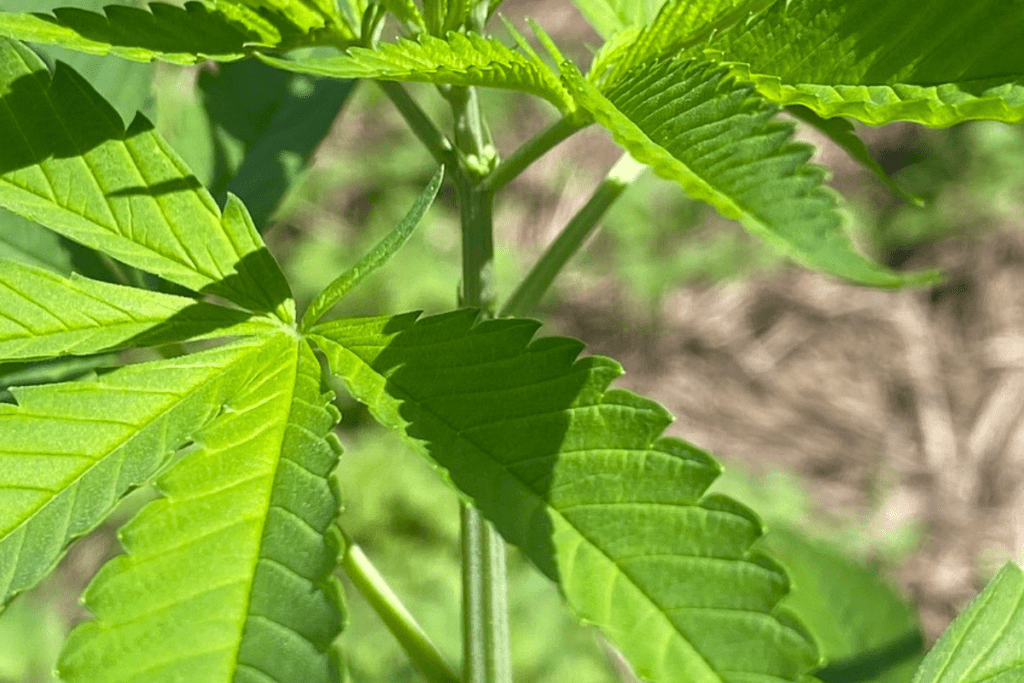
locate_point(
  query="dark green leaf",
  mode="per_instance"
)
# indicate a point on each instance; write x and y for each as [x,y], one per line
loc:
[880,61]
[580,478]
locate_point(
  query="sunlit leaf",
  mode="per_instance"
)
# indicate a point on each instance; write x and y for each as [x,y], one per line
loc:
[70,451]
[580,478]
[984,642]
[461,59]
[68,163]
[242,546]
[693,124]
[43,314]
[880,61]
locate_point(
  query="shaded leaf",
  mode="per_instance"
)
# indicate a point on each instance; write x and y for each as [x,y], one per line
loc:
[693,124]
[879,61]
[244,537]
[841,132]
[67,162]
[865,632]
[580,478]
[275,120]
[23,373]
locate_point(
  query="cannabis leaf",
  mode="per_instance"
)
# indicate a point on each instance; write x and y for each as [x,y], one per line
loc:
[880,61]
[223,30]
[679,24]
[864,630]
[115,433]
[580,479]
[984,642]
[694,124]
[243,537]
[611,16]
[238,438]
[77,171]
[460,59]
[182,35]
[43,314]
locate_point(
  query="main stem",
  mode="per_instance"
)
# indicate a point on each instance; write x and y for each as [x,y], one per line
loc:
[484,592]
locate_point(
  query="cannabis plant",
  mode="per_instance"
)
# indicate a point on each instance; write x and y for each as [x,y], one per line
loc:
[229,573]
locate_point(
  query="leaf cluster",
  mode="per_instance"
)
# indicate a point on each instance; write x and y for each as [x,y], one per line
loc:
[231,419]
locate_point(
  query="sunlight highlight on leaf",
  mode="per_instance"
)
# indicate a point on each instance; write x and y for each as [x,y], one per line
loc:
[461,59]
[67,163]
[693,124]
[580,479]
[243,536]
[880,61]
[70,451]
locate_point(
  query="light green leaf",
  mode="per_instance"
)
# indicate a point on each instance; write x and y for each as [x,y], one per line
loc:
[305,15]
[865,632]
[70,451]
[67,162]
[984,642]
[693,124]
[378,256]
[611,16]
[462,59]
[880,61]
[180,35]
[244,537]
[43,314]
[579,477]
[680,24]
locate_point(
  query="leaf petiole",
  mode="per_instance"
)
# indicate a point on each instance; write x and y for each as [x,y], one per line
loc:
[410,635]
[530,291]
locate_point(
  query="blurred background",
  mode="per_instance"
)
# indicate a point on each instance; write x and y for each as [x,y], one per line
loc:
[885,424]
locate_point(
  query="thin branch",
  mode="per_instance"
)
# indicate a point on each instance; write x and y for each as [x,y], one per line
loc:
[533,149]
[410,635]
[530,291]
[436,143]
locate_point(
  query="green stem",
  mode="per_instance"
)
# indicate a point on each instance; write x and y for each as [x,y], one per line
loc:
[485,604]
[487,656]
[533,149]
[368,581]
[530,291]
[436,143]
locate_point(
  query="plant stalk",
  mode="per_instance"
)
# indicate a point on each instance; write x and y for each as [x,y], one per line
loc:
[533,287]
[413,639]
[486,651]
